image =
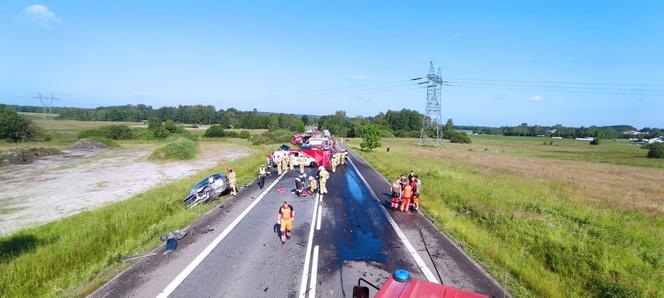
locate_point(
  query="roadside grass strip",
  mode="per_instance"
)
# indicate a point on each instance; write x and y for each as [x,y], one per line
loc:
[73,256]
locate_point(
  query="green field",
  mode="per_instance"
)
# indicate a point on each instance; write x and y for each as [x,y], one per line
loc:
[561,220]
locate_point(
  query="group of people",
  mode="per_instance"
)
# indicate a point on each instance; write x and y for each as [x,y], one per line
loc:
[406,190]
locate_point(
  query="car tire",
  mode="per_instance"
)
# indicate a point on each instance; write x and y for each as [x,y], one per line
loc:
[312,164]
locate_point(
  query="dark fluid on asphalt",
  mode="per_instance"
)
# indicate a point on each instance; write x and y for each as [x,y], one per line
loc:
[364,235]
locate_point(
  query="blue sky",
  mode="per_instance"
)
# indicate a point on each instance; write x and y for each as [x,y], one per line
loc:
[357,56]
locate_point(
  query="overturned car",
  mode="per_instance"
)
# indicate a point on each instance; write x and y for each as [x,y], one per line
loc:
[208,189]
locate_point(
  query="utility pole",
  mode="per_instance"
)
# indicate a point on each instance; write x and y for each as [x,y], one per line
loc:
[47,103]
[431,133]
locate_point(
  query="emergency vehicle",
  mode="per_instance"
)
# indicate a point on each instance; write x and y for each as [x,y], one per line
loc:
[402,284]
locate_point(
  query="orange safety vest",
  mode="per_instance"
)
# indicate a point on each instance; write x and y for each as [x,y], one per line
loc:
[407,191]
[286,212]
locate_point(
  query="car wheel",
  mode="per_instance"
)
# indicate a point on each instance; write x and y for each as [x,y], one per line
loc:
[312,164]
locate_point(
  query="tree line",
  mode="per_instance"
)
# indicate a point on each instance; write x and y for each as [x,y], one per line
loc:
[402,123]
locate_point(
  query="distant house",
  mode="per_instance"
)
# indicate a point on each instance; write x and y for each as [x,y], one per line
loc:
[585,139]
[656,140]
[635,133]
[557,138]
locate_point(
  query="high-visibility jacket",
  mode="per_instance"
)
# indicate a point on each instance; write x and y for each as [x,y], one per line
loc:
[286,212]
[407,191]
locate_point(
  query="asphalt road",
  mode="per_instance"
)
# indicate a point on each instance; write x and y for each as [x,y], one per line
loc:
[337,239]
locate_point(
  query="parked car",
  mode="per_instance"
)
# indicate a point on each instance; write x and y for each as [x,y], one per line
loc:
[208,189]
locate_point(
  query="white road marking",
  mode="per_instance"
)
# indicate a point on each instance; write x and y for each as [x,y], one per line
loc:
[314,274]
[320,212]
[409,247]
[307,256]
[181,277]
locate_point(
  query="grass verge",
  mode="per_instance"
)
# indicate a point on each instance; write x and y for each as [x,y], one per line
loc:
[540,237]
[176,149]
[57,258]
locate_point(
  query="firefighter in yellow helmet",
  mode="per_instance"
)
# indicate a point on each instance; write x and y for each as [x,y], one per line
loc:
[291,161]
[232,180]
[277,162]
[301,160]
[313,185]
[323,175]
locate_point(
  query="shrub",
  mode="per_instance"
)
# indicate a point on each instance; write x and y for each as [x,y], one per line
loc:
[215,131]
[272,137]
[106,141]
[15,128]
[370,138]
[245,134]
[656,150]
[457,137]
[595,141]
[113,132]
[176,148]
[170,126]
[232,134]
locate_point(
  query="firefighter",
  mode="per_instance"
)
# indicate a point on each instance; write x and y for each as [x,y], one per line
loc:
[395,189]
[405,198]
[262,172]
[342,160]
[301,160]
[313,185]
[284,163]
[285,220]
[416,193]
[291,160]
[232,180]
[333,162]
[277,161]
[323,175]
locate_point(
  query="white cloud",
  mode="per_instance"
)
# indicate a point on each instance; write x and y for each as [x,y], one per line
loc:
[536,98]
[40,14]
[359,77]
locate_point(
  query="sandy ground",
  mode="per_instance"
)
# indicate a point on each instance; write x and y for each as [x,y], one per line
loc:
[59,186]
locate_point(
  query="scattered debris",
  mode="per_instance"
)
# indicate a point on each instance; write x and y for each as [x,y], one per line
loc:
[138,256]
[171,239]
[210,228]
[24,156]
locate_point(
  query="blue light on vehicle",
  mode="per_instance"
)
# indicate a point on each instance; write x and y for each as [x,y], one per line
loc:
[401,275]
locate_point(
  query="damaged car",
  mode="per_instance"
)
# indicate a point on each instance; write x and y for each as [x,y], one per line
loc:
[208,189]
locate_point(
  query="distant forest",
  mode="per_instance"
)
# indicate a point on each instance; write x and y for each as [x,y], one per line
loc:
[403,123]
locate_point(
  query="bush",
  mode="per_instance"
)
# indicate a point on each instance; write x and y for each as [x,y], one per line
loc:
[232,134]
[656,150]
[272,137]
[106,141]
[215,131]
[595,141]
[170,126]
[245,134]
[370,138]
[113,132]
[15,128]
[176,148]
[459,137]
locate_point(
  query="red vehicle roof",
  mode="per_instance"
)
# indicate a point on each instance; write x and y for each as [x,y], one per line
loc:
[422,288]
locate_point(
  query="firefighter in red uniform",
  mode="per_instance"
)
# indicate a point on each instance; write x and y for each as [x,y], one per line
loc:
[406,196]
[416,192]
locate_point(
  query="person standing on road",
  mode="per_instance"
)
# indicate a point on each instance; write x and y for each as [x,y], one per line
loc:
[262,172]
[291,161]
[277,161]
[333,162]
[323,175]
[285,220]
[301,160]
[284,163]
[395,190]
[405,198]
[342,159]
[416,191]
[232,180]
[416,196]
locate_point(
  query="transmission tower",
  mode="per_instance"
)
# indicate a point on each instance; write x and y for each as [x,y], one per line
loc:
[431,133]
[47,103]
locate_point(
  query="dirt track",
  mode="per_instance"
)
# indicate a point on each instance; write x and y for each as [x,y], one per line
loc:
[59,186]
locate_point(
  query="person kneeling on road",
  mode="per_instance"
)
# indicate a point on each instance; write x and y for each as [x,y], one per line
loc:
[313,185]
[285,220]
